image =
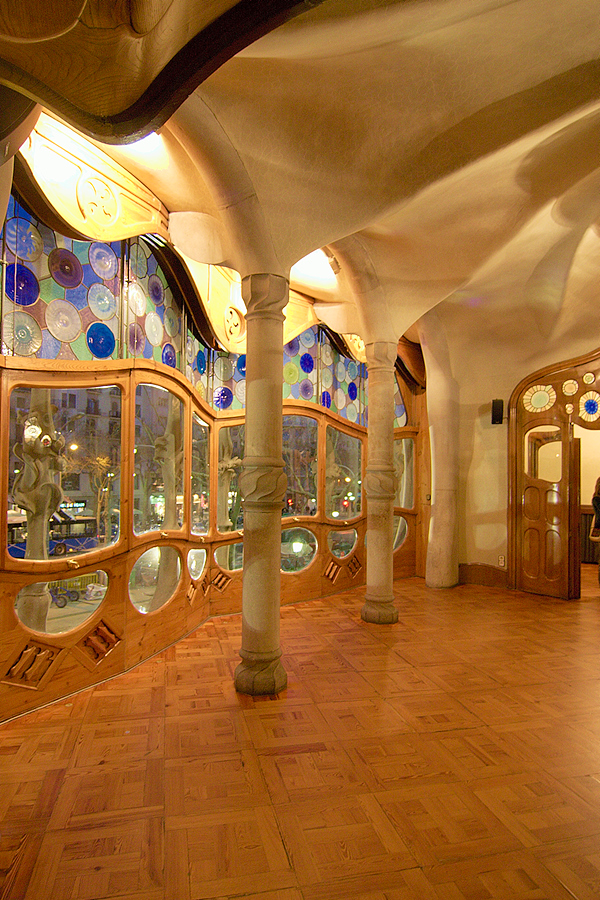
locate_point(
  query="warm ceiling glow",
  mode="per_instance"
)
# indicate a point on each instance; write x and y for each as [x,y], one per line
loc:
[149,151]
[314,271]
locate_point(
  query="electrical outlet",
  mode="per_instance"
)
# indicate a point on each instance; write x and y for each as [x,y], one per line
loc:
[501,561]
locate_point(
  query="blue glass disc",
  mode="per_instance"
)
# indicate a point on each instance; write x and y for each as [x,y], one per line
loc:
[223,398]
[326,399]
[169,357]
[201,362]
[21,285]
[352,391]
[591,407]
[307,363]
[100,340]
[24,239]
[241,364]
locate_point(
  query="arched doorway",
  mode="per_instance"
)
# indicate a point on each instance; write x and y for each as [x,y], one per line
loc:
[546,412]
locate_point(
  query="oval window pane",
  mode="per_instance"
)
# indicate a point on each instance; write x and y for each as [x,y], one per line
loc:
[230,557]
[342,543]
[196,561]
[298,549]
[56,606]
[400,531]
[154,578]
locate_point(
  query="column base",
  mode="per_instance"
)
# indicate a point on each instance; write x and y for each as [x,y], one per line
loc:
[379,612]
[258,674]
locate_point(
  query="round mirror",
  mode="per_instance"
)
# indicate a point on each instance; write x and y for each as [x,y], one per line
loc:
[52,607]
[298,549]
[342,543]
[154,578]
[196,561]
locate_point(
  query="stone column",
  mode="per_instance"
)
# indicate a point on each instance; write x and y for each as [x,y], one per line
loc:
[380,485]
[262,483]
[443,412]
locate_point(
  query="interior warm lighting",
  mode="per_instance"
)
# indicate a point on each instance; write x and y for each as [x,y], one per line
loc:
[73,446]
[314,271]
[149,151]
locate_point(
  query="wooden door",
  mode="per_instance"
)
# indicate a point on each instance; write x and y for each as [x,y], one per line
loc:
[547,551]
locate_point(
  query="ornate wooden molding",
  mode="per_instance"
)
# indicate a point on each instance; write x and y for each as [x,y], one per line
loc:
[89,190]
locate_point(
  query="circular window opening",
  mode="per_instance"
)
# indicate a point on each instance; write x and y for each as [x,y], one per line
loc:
[196,561]
[154,578]
[342,543]
[53,607]
[298,549]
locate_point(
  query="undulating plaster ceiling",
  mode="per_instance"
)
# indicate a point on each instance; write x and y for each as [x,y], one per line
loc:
[445,152]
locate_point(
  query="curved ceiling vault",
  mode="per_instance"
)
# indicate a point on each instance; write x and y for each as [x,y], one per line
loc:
[455,142]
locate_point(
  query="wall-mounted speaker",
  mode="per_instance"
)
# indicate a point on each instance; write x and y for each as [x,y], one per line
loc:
[497,412]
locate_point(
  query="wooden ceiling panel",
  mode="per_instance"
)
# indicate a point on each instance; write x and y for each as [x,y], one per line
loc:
[119,70]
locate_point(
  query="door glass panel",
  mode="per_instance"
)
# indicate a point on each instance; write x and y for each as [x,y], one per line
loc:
[404,471]
[64,471]
[300,438]
[158,467]
[343,475]
[230,515]
[543,453]
[200,479]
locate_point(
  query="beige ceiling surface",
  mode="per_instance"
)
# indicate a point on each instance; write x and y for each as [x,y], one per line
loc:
[446,152]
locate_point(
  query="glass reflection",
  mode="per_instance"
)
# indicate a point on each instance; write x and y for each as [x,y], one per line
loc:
[230,557]
[64,470]
[230,515]
[158,469]
[343,475]
[300,440]
[196,561]
[342,543]
[298,549]
[154,578]
[403,469]
[58,606]
[200,476]
[400,531]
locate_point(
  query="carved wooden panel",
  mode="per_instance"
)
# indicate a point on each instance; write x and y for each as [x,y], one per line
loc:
[33,665]
[221,581]
[98,643]
[332,571]
[354,566]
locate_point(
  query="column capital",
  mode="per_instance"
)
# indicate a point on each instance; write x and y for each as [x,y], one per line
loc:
[262,483]
[380,482]
[265,295]
[381,354]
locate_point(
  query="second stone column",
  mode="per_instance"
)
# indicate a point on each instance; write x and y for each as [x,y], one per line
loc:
[263,484]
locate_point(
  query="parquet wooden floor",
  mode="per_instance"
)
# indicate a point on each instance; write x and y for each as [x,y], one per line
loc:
[453,756]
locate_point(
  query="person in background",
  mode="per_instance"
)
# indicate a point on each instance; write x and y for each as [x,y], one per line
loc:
[595,530]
